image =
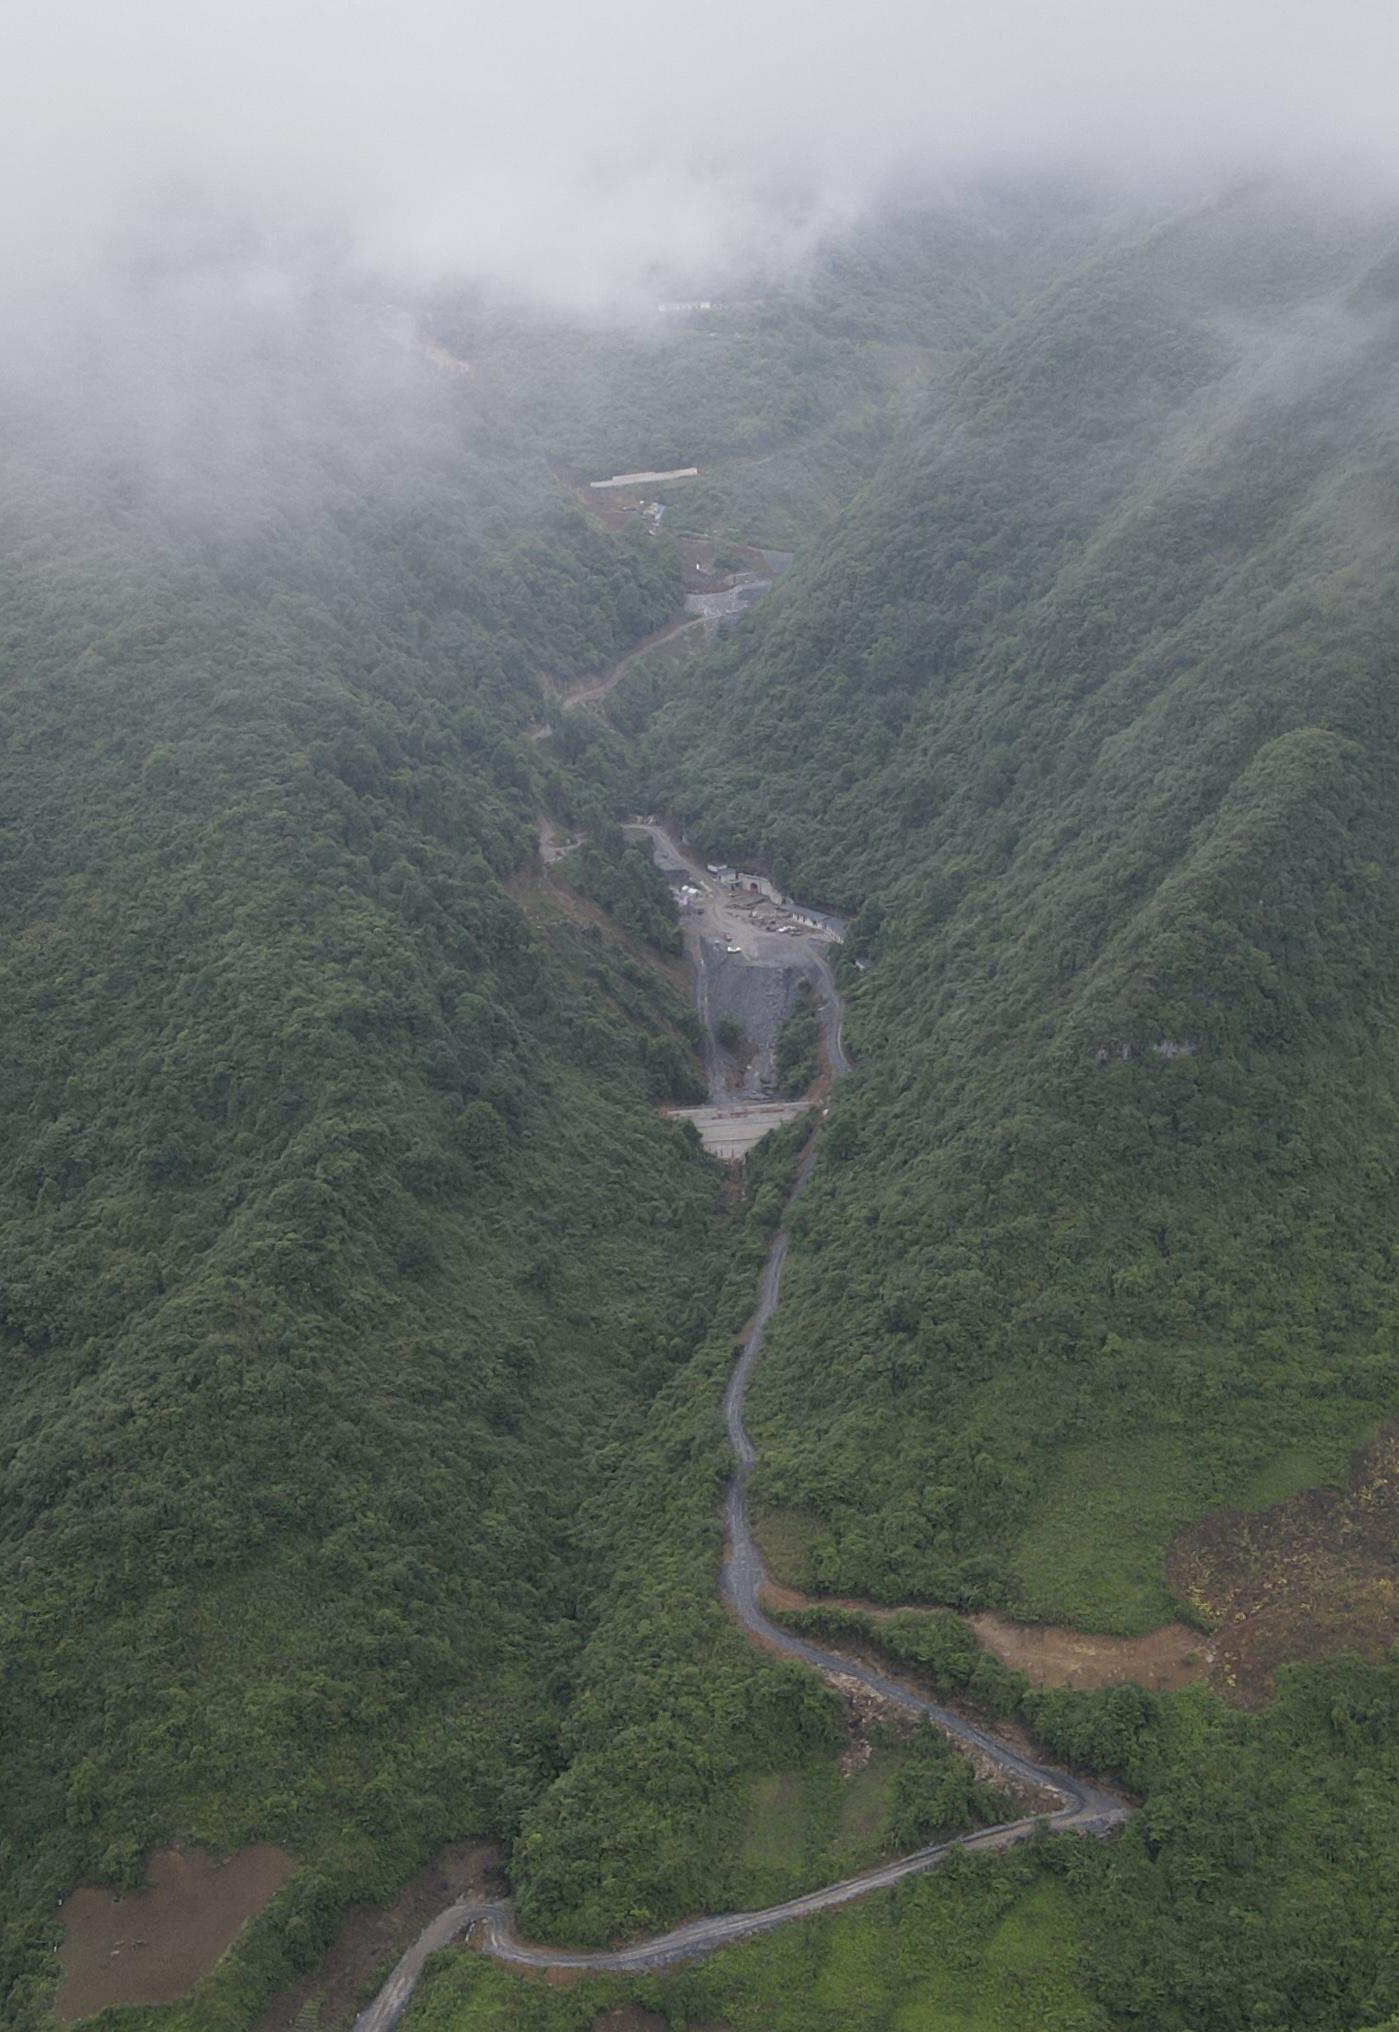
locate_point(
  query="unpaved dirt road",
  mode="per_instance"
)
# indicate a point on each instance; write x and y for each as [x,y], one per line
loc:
[599,687]
[1083,1807]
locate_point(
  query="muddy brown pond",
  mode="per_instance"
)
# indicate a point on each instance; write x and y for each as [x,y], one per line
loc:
[150,1947]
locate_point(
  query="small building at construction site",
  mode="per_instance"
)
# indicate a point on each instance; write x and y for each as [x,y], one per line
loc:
[759,885]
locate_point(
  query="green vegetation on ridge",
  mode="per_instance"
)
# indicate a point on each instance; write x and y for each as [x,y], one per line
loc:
[365,1333]
[788,390]
[342,1251]
[1087,710]
[337,1230]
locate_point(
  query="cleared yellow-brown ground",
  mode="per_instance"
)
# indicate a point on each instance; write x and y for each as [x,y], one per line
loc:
[153,1946]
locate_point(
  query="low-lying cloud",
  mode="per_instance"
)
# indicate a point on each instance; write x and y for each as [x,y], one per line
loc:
[570,147]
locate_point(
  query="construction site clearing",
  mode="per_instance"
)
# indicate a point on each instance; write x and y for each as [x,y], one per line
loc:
[760,900]
[751,950]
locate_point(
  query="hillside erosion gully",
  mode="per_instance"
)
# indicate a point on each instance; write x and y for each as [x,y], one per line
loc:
[1083,1807]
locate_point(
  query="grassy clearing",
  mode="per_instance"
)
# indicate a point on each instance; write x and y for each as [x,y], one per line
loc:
[1094,1552]
[808,1827]
[789,1539]
[1094,1549]
[1026,1977]
[867,1802]
[1320,1464]
[781,1811]
[982,1948]
[811,1827]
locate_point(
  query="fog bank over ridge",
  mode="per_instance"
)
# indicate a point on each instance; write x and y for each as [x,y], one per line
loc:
[576,152]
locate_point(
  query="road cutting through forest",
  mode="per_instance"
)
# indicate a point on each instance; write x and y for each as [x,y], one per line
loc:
[1082,1807]
[599,687]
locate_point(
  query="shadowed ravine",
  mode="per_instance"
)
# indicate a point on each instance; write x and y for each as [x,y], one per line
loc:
[1084,1808]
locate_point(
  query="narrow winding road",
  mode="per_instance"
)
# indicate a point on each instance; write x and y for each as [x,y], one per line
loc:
[601,686]
[1082,1807]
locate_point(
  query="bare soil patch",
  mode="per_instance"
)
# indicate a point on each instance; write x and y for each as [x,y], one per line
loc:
[151,1947]
[1172,1656]
[375,1934]
[1309,1577]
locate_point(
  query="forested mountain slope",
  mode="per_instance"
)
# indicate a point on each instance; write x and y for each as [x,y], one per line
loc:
[364,1333]
[342,1254]
[790,384]
[1089,711]
[337,1230]
[1086,712]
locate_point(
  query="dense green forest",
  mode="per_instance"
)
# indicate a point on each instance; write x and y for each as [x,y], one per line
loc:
[363,1329]
[337,1229]
[342,1249]
[1087,712]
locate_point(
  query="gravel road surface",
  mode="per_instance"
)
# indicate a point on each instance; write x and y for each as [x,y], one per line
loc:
[1082,1806]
